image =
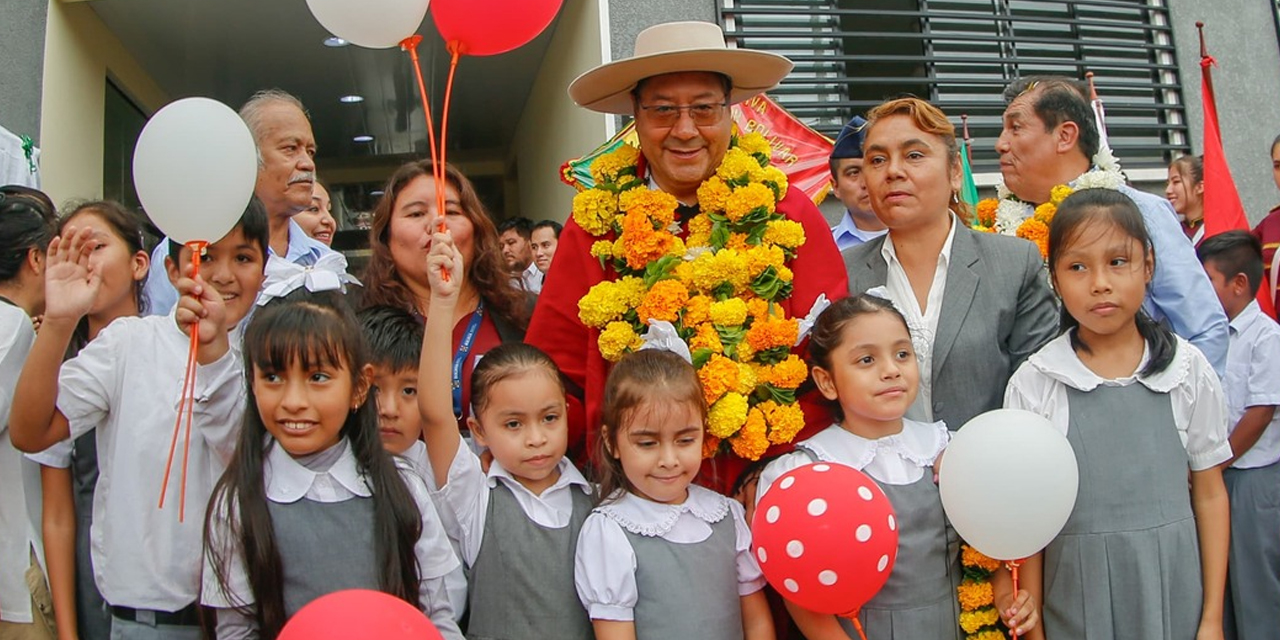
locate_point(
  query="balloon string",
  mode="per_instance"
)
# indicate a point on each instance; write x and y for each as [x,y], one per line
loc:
[858,624]
[410,45]
[186,402]
[1013,565]
[439,167]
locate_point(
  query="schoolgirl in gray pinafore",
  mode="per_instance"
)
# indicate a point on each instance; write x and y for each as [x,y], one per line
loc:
[1127,563]
[683,590]
[522,579]
[919,599]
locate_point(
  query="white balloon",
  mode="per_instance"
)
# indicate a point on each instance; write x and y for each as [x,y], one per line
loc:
[194,168]
[376,24]
[1008,483]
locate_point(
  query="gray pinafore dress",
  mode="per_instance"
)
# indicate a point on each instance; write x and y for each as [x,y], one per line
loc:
[919,599]
[688,590]
[1127,563]
[324,547]
[522,581]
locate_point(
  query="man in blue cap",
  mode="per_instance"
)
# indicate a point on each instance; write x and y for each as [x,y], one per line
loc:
[859,223]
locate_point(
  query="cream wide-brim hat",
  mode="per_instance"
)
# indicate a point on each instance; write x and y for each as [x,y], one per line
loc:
[676,47]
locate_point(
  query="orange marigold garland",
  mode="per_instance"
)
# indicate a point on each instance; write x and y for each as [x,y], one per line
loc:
[718,286]
[978,616]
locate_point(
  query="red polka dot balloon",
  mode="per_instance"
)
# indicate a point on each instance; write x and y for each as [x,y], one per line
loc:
[826,537]
[359,614]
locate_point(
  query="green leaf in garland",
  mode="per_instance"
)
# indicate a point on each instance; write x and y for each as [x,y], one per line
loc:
[660,269]
[730,337]
[701,356]
[767,284]
[761,158]
[769,392]
[719,235]
[773,356]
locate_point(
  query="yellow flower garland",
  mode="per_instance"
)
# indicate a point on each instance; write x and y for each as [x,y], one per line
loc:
[978,616]
[718,286]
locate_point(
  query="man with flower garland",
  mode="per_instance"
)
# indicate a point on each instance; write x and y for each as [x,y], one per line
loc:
[678,86]
[1050,138]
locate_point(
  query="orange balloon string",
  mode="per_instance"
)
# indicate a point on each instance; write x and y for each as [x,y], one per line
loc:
[410,45]
[186,402]
[1012,566]
[439,167]
[857,624]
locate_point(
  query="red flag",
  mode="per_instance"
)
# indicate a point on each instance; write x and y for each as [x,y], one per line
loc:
[1223,210]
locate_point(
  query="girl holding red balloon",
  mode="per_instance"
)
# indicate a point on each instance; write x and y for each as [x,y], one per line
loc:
[864,362]
[661,558]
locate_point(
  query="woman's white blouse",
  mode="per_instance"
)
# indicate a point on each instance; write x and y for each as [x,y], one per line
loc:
[1199,406]
[902,458]
[605,564]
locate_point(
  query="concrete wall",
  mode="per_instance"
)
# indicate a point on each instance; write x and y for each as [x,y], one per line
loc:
[22,26]
[1241,35]
[552,128]
[80,53]
[627,18]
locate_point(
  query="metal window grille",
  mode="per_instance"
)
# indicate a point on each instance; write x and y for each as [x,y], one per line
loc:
[852,54]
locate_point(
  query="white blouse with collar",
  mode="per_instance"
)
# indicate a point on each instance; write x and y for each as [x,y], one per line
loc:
[902,458]
[605,563]
[465,497]
[1199,407]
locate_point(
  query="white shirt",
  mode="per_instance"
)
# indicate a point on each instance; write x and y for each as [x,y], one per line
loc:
[923,324]
[466,496]
[530,279]
[127,383]
[288,481]
[456,582]
[19,478]
[1253,379]
[902,458]
[1199,410]
[605,563]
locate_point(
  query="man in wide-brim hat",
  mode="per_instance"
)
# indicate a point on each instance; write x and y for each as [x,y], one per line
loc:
[679,86]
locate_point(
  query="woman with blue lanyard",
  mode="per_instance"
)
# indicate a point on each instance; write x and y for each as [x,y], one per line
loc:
[490,311]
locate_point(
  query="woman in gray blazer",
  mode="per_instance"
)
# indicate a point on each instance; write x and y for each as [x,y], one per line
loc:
[977,303]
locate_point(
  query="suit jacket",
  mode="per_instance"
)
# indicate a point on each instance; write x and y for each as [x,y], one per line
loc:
[997,309]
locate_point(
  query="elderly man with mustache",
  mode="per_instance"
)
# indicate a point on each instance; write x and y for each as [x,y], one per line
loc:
[286,178]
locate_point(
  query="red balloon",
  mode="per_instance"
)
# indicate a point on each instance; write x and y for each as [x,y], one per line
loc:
[489,27]
[826,537]
[359,614]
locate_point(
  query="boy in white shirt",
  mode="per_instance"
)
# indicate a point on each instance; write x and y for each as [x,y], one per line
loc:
[1233,261]
[127,384]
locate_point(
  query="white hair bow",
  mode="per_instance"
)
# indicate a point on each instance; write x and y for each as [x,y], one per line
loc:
[329,273]
[662,335]
[806,323]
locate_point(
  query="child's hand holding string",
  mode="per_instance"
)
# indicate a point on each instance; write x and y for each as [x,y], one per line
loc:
[201,303]
[443,257]
[1020,614]
[72,281]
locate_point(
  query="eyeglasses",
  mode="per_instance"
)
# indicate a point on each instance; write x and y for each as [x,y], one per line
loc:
[702,114]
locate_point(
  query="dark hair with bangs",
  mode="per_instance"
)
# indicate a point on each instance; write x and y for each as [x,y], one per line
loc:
[314,328]
[394,336]
[252,224]
[503,362]
[126,225]
[1092,207]
[640,380]
[827,331]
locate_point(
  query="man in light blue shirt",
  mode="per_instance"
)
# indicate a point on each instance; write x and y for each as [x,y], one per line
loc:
[286,180]
[859,223]
[1050,139]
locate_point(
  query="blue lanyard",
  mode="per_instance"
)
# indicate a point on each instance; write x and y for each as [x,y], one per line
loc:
[460,356]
